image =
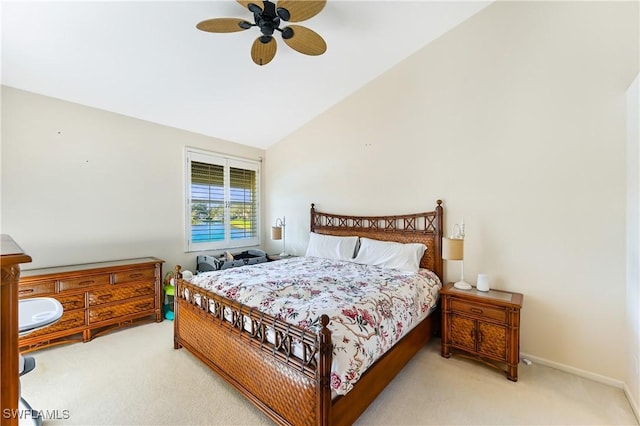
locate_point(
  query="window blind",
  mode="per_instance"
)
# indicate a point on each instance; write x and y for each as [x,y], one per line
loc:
[207,202]
[242,207]
[223,202]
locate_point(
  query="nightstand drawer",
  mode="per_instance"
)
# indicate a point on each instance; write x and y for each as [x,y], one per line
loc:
[483,311]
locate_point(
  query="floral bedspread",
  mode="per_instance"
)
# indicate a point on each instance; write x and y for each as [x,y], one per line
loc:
[370,308]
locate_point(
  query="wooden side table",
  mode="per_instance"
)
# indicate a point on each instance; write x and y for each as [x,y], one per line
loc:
[482,325]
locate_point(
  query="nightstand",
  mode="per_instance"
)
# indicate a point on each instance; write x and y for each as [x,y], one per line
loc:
[483,325]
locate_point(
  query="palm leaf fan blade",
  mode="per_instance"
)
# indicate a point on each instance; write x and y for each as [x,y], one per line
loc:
[262,53]
[245,3]
[301,10]
[307,41]
[221,25]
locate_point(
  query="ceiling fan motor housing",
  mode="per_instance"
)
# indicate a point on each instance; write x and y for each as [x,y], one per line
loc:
[267,19]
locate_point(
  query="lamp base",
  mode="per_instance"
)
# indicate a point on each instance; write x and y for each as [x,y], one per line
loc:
[462,285]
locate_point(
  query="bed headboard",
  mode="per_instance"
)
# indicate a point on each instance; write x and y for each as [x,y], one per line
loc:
[425,228]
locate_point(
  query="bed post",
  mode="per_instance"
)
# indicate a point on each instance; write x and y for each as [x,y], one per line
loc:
[438,241]
[323,415]
[176,292]
[313,217]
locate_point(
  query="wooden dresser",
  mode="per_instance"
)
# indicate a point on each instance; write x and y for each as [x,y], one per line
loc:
[485,325]
[96,297]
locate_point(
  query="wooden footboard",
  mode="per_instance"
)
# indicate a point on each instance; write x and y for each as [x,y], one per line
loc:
[290,386]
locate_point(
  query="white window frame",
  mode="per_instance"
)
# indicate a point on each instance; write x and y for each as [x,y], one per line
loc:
[202,156]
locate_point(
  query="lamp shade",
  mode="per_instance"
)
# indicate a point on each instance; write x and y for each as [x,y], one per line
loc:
[276,232]
[452,249]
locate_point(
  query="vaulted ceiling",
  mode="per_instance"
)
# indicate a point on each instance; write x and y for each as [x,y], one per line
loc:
[146,59]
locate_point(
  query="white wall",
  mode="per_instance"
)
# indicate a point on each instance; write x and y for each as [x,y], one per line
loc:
[516,118]
[83,185]
[633,245]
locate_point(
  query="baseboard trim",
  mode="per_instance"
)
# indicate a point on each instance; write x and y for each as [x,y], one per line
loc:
[588,375]
[578,372]
[634,406]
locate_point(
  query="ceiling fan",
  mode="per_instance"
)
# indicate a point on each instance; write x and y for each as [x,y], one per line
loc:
[267,16]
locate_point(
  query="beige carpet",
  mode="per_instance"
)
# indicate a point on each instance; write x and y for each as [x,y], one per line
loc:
[135,377]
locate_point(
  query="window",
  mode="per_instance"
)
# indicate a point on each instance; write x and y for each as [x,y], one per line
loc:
[222,201]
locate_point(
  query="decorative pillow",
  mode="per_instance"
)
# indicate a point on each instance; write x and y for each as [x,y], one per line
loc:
[388,254]
[331,246]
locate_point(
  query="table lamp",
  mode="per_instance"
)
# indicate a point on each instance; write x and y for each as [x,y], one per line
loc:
[453,249]
[278,233]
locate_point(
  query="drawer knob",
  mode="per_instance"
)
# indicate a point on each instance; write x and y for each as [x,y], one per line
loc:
[476,310]
[105,297]
[88,282]
[26,291]
[135,275]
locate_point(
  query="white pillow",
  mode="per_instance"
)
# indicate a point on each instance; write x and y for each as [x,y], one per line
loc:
[388,254]
[331,246]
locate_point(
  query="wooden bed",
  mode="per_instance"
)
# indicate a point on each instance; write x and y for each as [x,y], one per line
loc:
[295,388]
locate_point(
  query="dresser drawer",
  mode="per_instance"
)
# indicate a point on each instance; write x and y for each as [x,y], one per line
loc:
[106,313]
[115,293]
[142,274]
[68,321]
[36,288]
[71,302]
[484,311]
[84,282]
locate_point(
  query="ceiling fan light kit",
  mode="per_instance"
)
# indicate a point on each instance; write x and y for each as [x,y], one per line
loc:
[268,17]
